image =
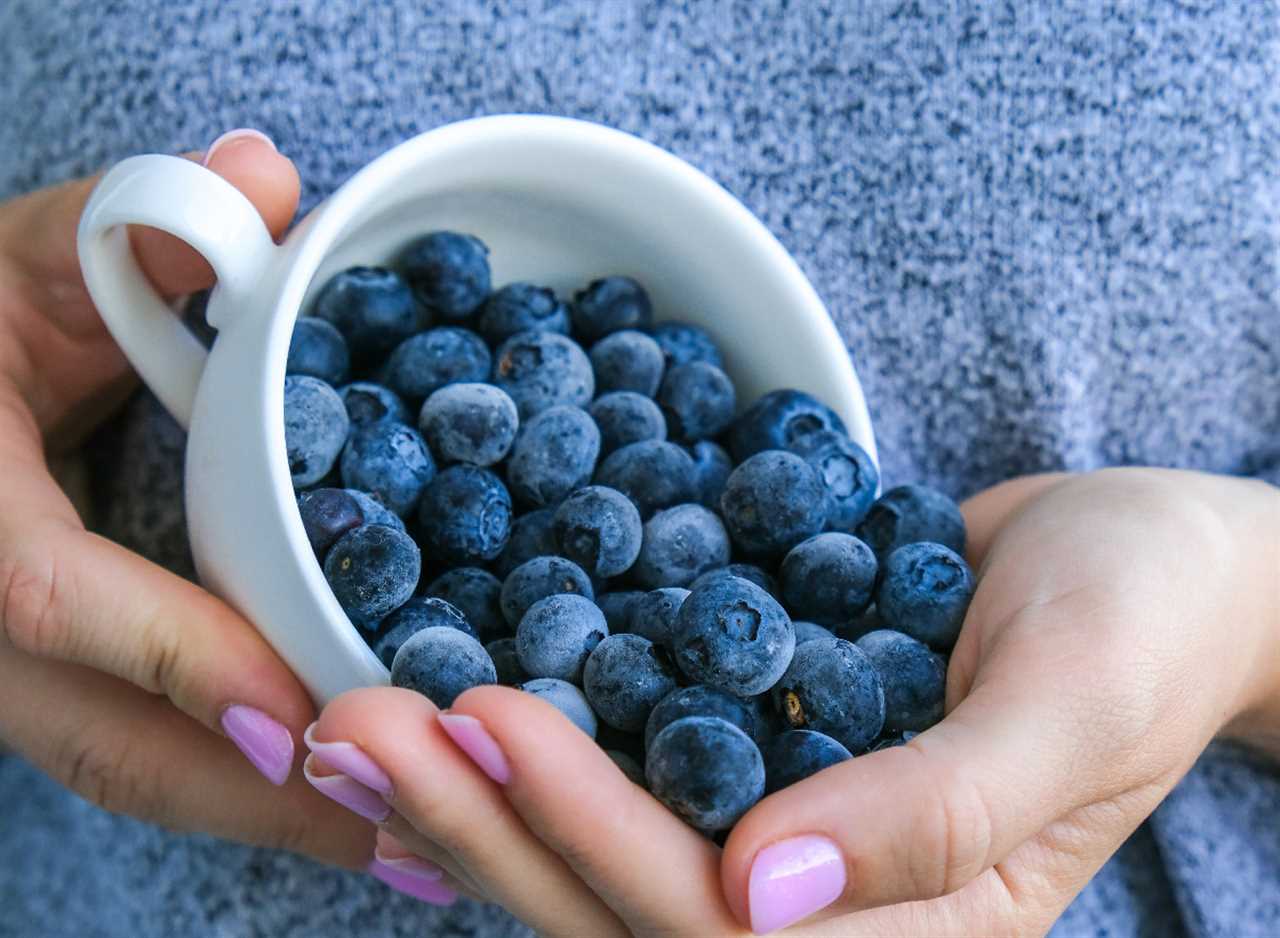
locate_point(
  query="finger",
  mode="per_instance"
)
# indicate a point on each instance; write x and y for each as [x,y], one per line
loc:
[390,738]
[399,840]
[658,873]
[990,510]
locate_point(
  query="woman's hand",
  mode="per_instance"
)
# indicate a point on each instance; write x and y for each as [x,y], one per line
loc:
[123,681]
[1122,619]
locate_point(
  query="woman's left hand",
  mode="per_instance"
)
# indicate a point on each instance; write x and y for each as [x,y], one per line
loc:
[1122,619]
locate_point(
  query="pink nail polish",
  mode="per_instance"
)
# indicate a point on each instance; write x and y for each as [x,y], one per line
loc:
[411,866]
[264,741]
[792,879]
[240,133]
[473,739]
[349,759]
[349,793]
[428,891]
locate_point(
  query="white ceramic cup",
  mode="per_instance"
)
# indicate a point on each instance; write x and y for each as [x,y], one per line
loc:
[558,201]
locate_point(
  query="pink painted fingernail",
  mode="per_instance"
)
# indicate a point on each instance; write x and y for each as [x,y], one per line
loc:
[791,880]
[411,865]
[232,136]
[265,742]
[349,759]
[473,739]
[348,792]
[412,884]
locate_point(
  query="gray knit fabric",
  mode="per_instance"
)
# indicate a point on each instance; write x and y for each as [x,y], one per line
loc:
[1047,233]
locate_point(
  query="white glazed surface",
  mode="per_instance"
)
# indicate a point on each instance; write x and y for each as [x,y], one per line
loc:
[558,202]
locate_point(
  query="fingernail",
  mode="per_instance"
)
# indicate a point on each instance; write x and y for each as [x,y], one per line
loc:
[348,792]
[473,739]
[410,865]
[791,880]
[264,741]
[240,133]
[412,885]
[349,759]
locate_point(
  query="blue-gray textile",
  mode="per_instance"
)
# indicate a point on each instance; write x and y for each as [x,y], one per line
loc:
[1047,232]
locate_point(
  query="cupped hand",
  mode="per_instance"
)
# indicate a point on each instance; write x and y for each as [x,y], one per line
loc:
[1122,620]
[126,683]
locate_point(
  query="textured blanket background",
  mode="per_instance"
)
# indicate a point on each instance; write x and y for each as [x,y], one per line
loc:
[1047,232]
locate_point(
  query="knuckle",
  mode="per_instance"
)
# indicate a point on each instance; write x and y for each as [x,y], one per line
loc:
[109,773]
[29,604]
[951,844]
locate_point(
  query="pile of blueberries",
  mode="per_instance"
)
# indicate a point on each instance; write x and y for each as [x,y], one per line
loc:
[565,497]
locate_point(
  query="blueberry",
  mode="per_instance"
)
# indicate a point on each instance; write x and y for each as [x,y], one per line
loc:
[374,511]
[652,614]
[698,400]
[537,579]
[808,631]
[471,423]
[520,307]
[475,592]
[327,514]
[911,513]
[780,420]
[733,635]
[430,360]
[372,307]
[624,678]
[598,528]
[566,698]
[608,305]
[711,468]
[925,591]
[315,428]
[415,615]
[441,663]
[831,686]
[847,471]
[654,474]
[793,756]
[449,272]
[367,403]
[616,607]
[390,461]
[532,535]
[748,571]
[627,361]
[372,569]
[682,343]
[318,349]
[629,766]
[555,452]
[625,417]
[557,634]
[679,544]
[464,515]
[699,700]
[828,578]
[542,370]
[706,770]
[914,680]
[772,502]
[507,662]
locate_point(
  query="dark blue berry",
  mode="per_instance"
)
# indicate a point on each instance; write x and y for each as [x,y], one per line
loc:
[909,514]
[372,307]
[566,698]
[651,614]
[654,474]
[608,305]
[828,578]
[748,571]
[471,423]
[367,403]
[831,686]
[537,579]
[625,677]
[682,343]
[808,631]
[698,400]
[780,420]
[925,592]
[433,359]
[625,417]
[793,756]
[390,461]
[372,569]
[772,502]
[318,349]
[475,592]
[542,370]
[521,307]
[555,452]
[507,662]
[374,511]
[532,535]
[733,635]
[706,770]
[629,766]
[711,467]
[914,680]
[598,528]
[315,428]
[464,515]
[415,615]
[616,607]
[327,514]
[449,272]
[680,543]
[441,663]
[557,635]
[699,700]
[847,471]
[627,361]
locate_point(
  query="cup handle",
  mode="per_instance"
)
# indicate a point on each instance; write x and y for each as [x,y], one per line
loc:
[204,210]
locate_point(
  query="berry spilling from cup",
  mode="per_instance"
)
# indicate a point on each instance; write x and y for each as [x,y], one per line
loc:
[582,509]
